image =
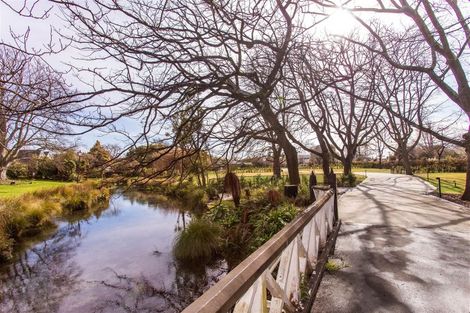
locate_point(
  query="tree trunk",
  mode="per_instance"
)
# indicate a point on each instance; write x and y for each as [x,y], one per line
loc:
[466,193]
[3,173]
[405,159]
[289,150]
[325,162]
[347,166]
[276,161]
[325,157]
[292,162]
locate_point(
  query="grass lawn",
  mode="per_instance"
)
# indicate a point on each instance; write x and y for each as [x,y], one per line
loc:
[25,186]
[453,183]
[249,174]
[303,171]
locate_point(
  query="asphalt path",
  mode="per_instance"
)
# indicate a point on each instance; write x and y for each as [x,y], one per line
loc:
[400,250]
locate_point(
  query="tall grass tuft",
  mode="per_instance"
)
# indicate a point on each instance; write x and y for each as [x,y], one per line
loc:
[200,241]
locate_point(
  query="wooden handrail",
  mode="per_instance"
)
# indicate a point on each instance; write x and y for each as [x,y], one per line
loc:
[322,187]
[223,296]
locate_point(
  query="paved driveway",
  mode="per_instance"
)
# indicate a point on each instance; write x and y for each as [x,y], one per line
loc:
[403,251]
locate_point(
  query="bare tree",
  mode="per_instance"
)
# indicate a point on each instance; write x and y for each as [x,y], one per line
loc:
[349,113]
[437,30]
[406,93]
[164,53]
[27,117]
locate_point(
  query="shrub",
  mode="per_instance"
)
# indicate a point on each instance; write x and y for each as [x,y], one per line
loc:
[348,180]
[225,214]
[17,171]
[198,242]
[267,224]
[274,197]
[192,197]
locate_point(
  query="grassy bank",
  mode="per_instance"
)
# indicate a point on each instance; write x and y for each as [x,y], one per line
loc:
[31,213]
[451,183]
[21,187]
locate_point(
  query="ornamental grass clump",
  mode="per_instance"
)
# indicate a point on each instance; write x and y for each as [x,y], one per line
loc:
[200,241]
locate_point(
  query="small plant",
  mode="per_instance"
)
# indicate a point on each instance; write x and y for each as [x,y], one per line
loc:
[198,242]
[332,266]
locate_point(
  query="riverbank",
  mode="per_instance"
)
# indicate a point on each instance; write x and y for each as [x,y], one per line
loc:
[31,213]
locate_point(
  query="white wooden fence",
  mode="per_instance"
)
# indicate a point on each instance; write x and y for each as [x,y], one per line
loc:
[271,278]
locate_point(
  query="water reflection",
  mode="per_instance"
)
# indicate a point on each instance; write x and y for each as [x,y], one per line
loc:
[118,260]
[42,276]
[139,294]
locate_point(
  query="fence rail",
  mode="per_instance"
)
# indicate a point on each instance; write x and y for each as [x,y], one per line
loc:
[280,266]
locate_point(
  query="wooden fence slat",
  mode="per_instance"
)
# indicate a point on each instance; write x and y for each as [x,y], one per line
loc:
[306,236]
[312,251]
[244,304]
[293,278]
[277,292]
[260,300]
[282,276]
[305,265]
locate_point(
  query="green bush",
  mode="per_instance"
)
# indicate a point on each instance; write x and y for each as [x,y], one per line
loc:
[199,241]
[267,224]
[348,180]
[17,171]
[191,196]
[225,214]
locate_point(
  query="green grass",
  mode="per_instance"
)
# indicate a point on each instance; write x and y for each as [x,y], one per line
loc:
[359,172]
[452,183]
[22,186]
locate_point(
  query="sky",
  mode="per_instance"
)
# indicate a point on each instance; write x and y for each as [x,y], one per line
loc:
[40,33]
[340,22]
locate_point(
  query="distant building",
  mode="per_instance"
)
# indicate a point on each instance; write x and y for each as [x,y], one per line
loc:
[304,159]
[26,155]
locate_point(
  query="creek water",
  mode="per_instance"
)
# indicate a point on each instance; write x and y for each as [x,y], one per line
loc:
[118,260]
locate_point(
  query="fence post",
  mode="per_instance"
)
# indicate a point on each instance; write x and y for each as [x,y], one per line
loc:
[332,183]
[439,186]
[311,183]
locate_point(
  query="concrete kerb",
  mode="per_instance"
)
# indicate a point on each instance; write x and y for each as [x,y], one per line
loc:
[434,196]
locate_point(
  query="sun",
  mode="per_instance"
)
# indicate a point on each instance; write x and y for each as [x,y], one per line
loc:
[340,22]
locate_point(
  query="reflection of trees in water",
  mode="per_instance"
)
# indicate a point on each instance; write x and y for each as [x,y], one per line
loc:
[192,280]
[136,295]
[154,200]
[42,276]
[151,199]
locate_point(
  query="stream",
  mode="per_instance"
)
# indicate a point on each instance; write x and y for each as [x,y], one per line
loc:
[118,260]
